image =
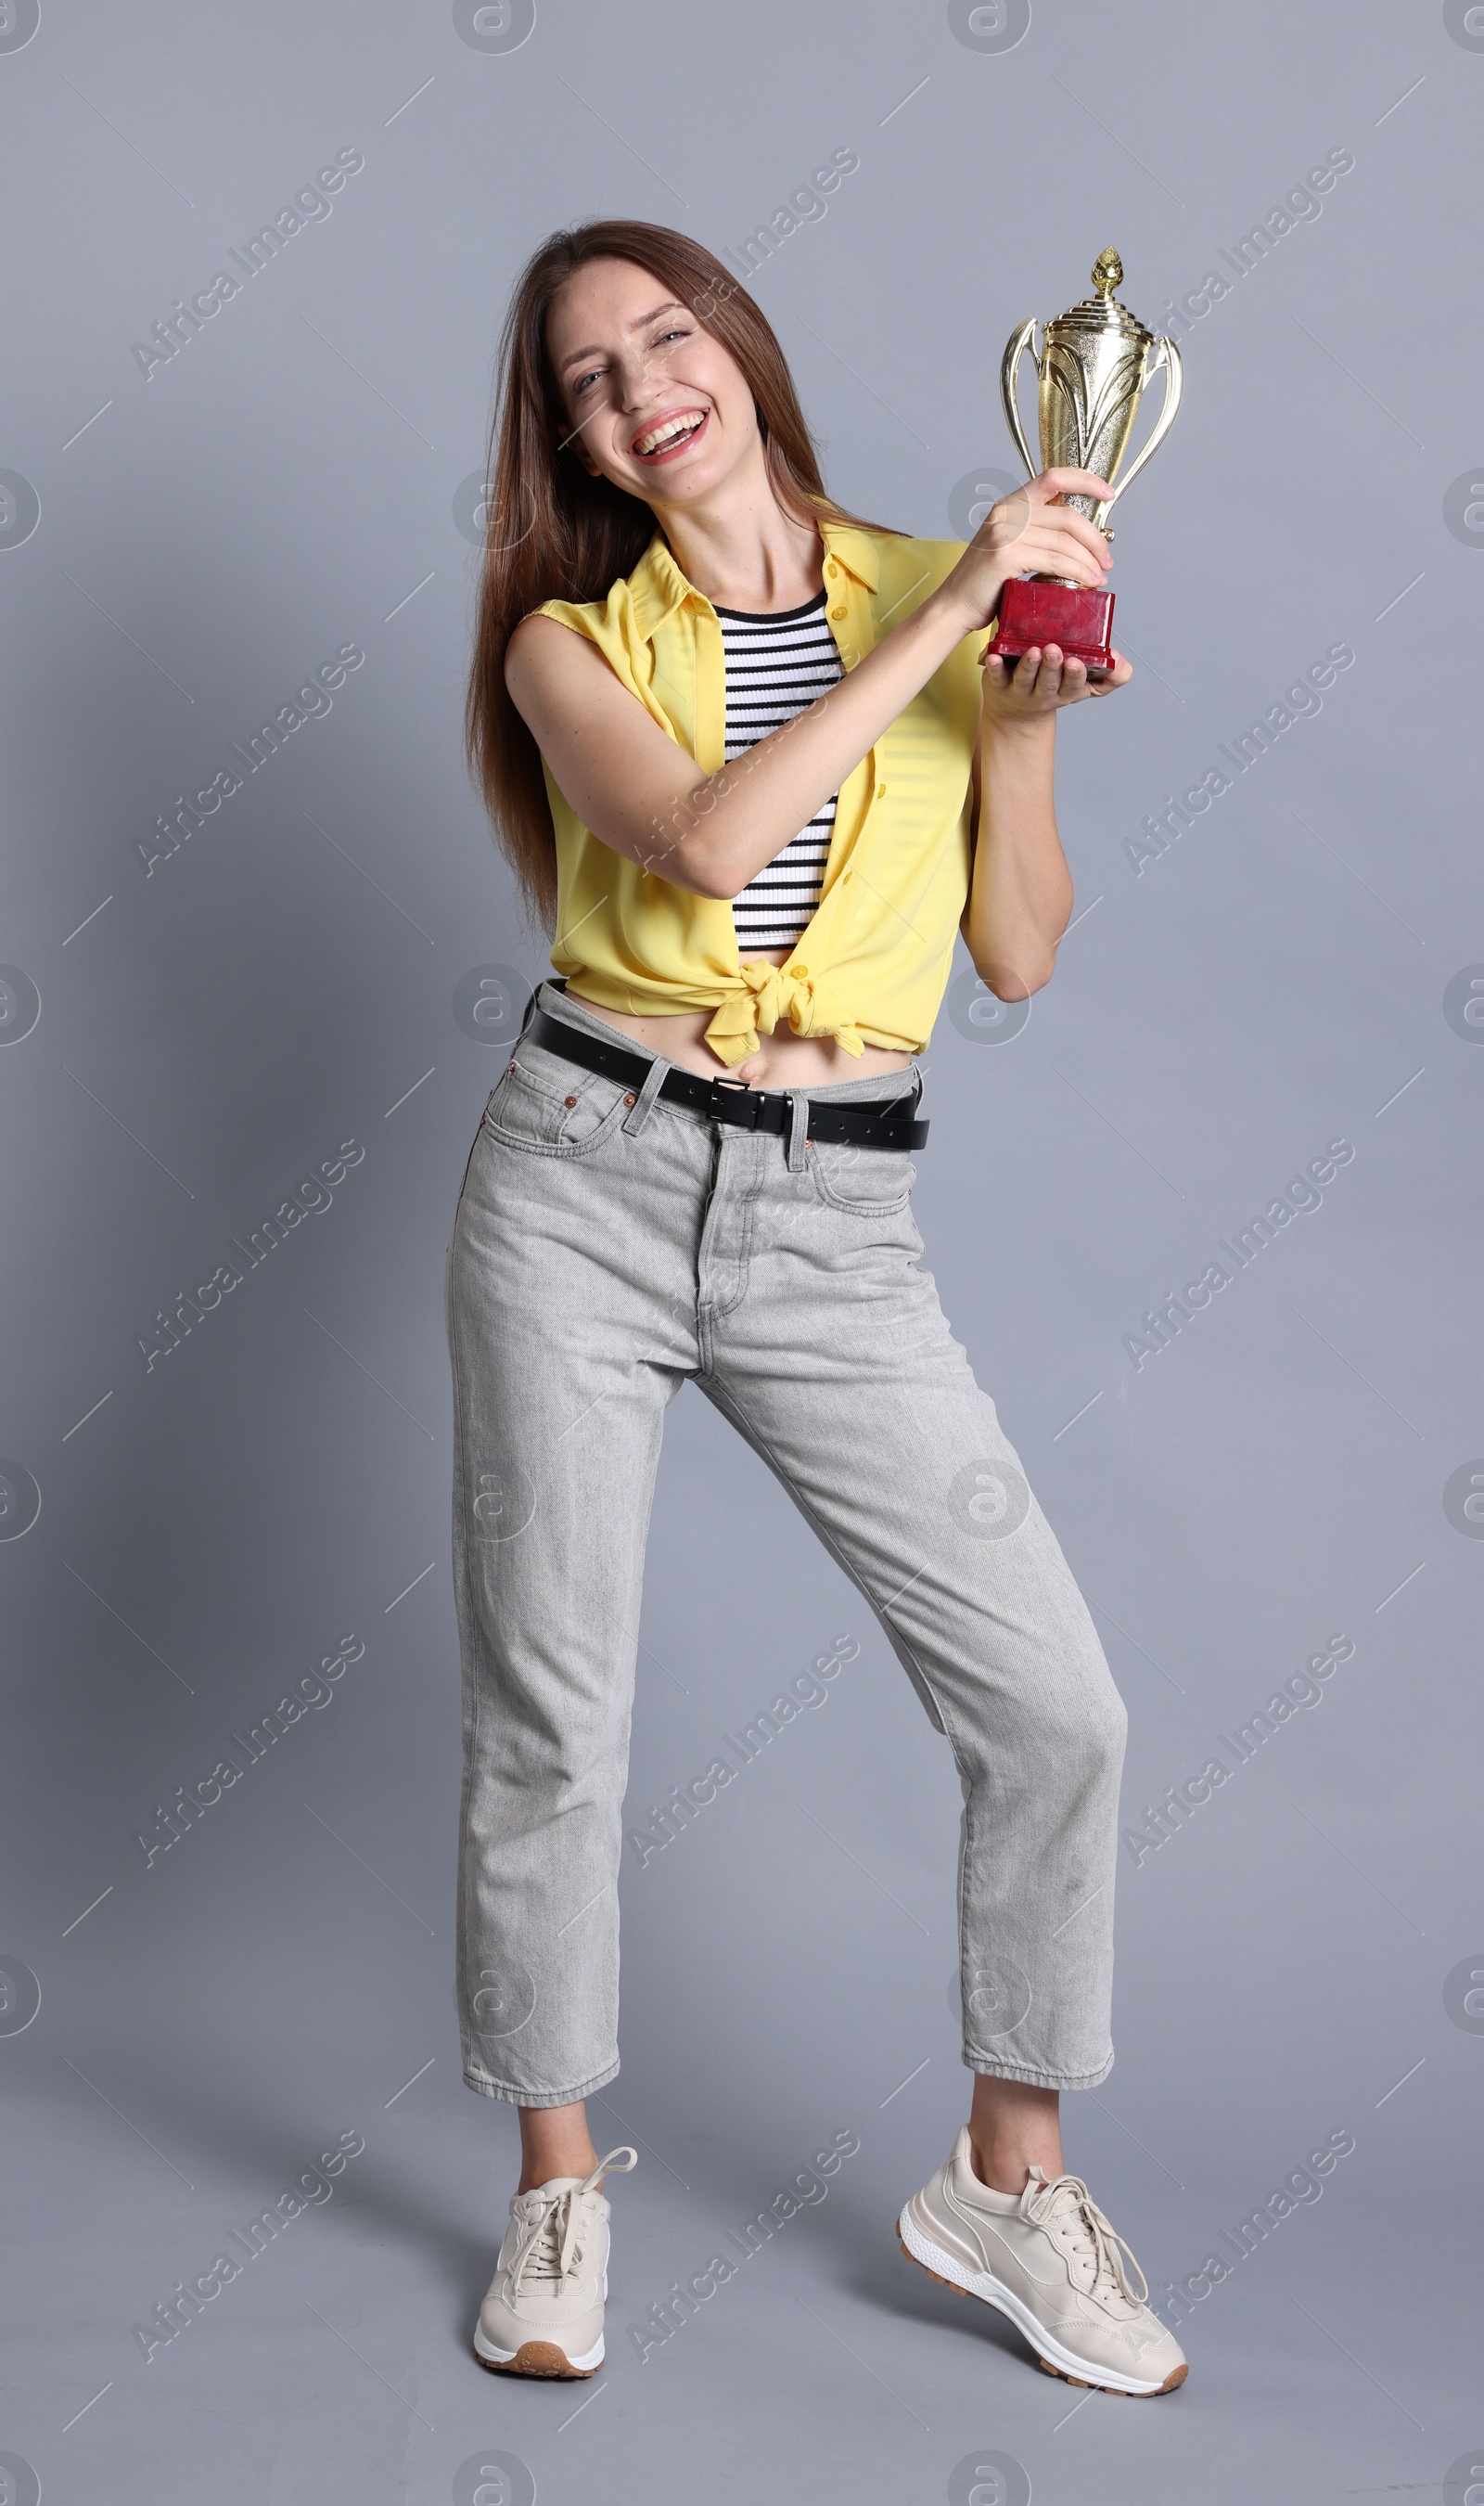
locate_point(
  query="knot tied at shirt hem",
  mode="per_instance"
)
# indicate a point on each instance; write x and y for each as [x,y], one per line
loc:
[770,993]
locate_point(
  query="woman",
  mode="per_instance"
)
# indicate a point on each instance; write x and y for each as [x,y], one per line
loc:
[739,749]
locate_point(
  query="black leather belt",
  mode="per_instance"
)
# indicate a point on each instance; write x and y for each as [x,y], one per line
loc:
[871,1124]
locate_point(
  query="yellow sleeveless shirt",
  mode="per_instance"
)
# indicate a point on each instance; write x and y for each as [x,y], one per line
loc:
[872,965]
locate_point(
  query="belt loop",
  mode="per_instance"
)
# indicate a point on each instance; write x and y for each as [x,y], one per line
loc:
[917,1082]
[635,1121]
[798,1129]
[531,1005]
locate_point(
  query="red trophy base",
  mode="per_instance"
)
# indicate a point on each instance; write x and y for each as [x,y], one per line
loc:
[1033,610]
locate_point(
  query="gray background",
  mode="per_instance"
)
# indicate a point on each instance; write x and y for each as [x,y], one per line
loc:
[212,1526]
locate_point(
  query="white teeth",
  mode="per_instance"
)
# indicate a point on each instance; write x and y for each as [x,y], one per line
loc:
[668,433]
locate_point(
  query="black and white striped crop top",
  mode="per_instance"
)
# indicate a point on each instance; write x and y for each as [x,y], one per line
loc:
[775,666]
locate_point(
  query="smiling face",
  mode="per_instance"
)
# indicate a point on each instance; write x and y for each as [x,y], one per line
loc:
[656,403]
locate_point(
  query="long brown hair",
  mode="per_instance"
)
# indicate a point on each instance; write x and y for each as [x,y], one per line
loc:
[556,533]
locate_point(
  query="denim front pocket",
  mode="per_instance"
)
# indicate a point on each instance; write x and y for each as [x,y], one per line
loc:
[549,1107]
[875,1181]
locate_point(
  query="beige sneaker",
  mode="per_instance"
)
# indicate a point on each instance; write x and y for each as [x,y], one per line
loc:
[1049,2259]
[543,2313]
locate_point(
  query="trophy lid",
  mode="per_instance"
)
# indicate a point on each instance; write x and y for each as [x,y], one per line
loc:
[1102,311]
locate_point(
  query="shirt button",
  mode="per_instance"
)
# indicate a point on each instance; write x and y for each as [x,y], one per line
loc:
[839,611]
[800,970]
[881,791]
[830,568]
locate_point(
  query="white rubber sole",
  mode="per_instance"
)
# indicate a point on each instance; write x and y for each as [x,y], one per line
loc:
[983,2285]
[548,2352]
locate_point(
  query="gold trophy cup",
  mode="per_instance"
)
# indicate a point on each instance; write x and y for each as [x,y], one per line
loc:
[1095,364]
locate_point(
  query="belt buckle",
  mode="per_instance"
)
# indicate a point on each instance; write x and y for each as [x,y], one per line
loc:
[735,1089]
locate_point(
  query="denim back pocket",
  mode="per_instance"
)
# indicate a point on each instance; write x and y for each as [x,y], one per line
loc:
[549,1107]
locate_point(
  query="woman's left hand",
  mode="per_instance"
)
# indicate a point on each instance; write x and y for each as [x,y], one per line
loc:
[1041,681]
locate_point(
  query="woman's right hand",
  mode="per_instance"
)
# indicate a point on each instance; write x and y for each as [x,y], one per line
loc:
[1028,534]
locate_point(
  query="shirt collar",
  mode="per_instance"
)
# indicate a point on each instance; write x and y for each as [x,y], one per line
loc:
[658,588]
[856,550]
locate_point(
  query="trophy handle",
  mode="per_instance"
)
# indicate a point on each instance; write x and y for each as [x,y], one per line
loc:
[1024,341]
[1164,353]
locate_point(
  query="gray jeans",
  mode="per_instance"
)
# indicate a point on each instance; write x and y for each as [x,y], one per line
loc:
[603,1253]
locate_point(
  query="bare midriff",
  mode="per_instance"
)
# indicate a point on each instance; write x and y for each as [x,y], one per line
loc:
[783,1059]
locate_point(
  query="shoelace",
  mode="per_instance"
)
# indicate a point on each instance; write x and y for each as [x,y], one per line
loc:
[1100,2236]
[555,2222]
